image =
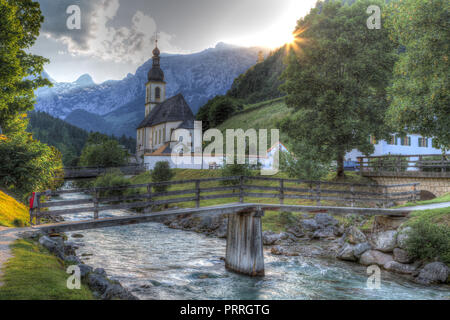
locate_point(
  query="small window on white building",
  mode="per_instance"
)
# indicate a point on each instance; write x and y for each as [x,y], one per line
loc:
[423,142]
[392,140]
[406,141]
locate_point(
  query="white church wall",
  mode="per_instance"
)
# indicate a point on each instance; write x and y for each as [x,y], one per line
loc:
[180,163]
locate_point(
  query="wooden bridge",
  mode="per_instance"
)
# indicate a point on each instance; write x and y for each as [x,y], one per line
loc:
[72,173]
[244,253]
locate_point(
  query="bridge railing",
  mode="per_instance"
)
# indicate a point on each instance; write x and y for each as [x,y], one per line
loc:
[406,165]
[215,191]
[86,172]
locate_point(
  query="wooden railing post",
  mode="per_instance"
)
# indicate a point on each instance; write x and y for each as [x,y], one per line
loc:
[318,193]
[352,191]
[443,164]
[96,197]
[241,189]
[414,199]
[150,200]
[197,191]
[385,197]
[38,209]
[281,191]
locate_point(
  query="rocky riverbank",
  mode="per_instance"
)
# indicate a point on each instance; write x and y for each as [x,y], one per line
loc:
[97,280]
[322,235]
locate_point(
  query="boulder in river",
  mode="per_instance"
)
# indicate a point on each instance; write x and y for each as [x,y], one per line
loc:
[98,282]
[435,272]
[400,267]
[403,236]
[270,238]
[402,256]
[360,248]
[324,220]
[385,241]
[347,253]
[371,257]
[354,236]
[325,233]
[296,231]
[309,225]
[116,291]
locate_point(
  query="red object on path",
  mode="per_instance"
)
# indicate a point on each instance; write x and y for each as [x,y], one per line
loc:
[33,196]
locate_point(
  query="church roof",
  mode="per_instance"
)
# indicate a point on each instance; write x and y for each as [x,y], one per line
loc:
[171,110]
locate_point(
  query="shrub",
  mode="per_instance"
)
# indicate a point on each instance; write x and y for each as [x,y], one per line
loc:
[106,153]
[18,223]
[429,241]
[162,172]
[235,170]
[112,178]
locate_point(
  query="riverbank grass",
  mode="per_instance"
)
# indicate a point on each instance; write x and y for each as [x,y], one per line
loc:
[12,212]
[35,274]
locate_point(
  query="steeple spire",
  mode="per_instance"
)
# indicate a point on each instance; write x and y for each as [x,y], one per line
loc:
[156,74]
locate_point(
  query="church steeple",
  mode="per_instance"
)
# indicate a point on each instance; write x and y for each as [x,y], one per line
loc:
[156,87]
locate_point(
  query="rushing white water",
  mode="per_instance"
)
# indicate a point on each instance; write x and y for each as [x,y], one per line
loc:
[156,262]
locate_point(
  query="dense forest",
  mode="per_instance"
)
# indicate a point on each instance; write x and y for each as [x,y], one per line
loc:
[68,139]
[261,82]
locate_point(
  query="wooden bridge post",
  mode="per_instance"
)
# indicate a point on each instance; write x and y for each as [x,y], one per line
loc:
[352,191]
[96,204]
[197,193]
[149,192]
[244,253]
[241,189]
[318,193]
[281,191]
[38,209]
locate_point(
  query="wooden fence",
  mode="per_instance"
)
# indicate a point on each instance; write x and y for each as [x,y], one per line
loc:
[405,164]
[144,196]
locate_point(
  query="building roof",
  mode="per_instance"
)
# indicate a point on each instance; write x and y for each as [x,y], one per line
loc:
[171,110]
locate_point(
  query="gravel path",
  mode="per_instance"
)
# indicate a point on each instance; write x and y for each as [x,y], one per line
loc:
[7,236]
[429,206]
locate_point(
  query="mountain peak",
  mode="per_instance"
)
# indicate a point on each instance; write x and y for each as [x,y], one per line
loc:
[85,80]
[225,46]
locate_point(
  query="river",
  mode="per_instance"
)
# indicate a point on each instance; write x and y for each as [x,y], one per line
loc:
[156,262]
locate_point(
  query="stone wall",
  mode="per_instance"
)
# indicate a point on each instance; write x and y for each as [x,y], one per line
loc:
[437,186]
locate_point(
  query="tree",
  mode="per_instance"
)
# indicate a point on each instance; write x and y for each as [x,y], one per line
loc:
[336,81]
[217,110]
[161,173]
[28,165]
[20,71]
[420,90]
[103,153]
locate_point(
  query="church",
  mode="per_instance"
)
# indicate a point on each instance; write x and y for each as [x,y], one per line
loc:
[162,118]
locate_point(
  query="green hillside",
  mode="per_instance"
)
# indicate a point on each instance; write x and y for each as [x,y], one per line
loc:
[263,115]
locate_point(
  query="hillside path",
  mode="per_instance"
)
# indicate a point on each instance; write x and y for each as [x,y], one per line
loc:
[7,236]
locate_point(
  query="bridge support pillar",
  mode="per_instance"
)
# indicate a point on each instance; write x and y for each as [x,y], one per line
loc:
[245,253]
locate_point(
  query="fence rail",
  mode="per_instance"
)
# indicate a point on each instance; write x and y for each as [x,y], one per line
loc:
[144,196]
[406,165]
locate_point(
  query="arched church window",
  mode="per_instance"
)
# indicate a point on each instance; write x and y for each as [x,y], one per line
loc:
[158,93]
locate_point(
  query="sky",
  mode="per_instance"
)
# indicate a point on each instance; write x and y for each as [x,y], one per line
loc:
[117,36]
